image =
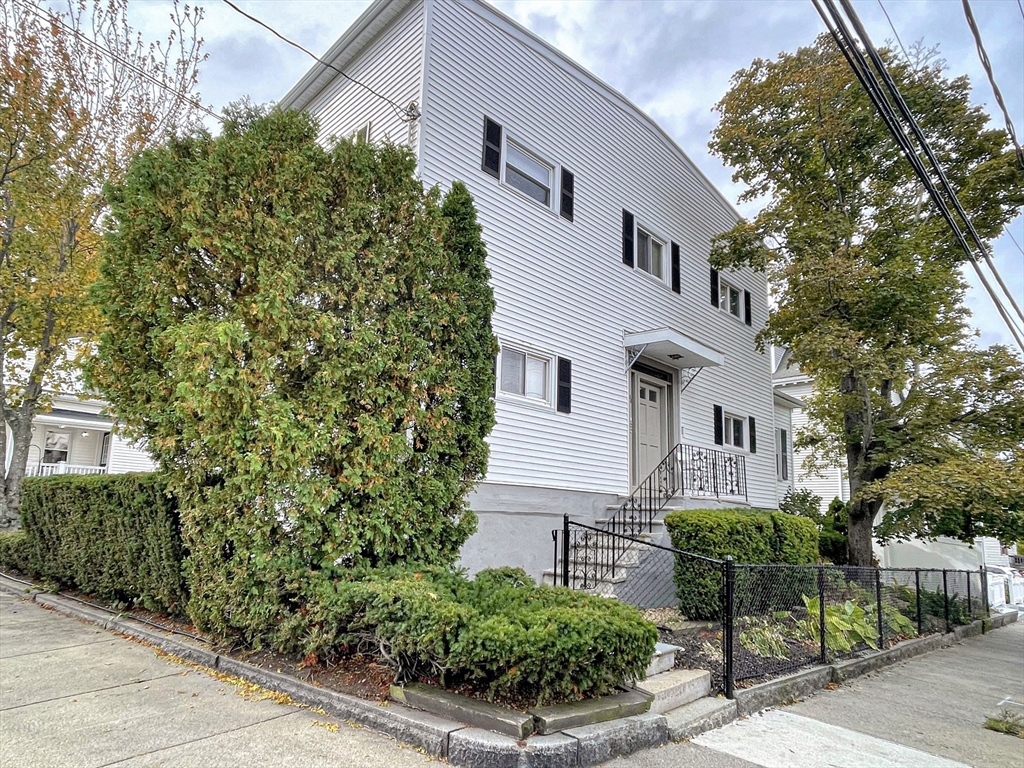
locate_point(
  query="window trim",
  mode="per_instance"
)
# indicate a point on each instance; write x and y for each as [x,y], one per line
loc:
[724,287]
[528,351]
[71,439]
[782,446]
[552,171]
[728,434]
[664,242]
[366,127]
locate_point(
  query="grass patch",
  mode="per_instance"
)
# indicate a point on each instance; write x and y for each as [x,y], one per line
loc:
[1007,722]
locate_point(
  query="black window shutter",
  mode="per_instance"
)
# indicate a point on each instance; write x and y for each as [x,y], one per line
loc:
[568,194]
[719,436]
[675,267]
[564,396]
[746,308]
[491,162]
[627,238]
[714,287]
[753,435]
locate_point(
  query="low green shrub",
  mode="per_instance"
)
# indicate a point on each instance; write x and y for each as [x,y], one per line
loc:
[113,536]
[749,538]
[15,553]
[498,632]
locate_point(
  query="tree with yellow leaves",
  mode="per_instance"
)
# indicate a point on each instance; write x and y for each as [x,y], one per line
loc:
[81,93]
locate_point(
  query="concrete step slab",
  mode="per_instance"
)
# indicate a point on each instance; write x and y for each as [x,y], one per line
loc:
[676,687]
[663,660]
[699,716]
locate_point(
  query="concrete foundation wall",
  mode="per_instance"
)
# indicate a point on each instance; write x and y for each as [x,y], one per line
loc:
[515,524]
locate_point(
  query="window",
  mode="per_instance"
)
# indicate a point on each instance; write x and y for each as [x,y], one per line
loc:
[56,447]
[524,374]
[649,254]
[104,449]
[526,173]
[783,455]
[361,136]
[734,430]
[729,299]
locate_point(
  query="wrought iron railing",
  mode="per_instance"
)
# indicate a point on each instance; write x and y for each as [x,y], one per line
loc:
[598,556]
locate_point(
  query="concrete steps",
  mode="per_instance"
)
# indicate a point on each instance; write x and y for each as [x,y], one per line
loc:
[663,660]
[676,688]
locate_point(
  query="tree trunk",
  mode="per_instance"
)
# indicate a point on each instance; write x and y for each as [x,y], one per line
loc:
[859,544]
[858,427]
[10,484]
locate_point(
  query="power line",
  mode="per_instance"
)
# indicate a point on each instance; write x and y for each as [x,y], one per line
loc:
[1021,6]
[992,80]
[844,41]
[1014,240]
[55,18]
[406,115]
[893,28]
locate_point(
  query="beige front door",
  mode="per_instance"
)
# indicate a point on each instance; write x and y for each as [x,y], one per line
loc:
[650,419]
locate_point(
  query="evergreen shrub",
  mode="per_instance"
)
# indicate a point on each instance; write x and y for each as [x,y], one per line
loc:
[113,536]
[749,538]
[498,632]
[15,553]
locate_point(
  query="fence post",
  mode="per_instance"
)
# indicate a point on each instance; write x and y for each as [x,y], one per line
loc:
[917,587]
[970,613]
[878,604]
[727,626]
[984,592]
[565,550]
[945,596]
[821,613]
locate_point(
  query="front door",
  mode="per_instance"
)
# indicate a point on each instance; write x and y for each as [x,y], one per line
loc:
[650,419]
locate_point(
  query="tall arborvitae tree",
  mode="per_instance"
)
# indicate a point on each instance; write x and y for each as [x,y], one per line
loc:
[303,337]
[869,291]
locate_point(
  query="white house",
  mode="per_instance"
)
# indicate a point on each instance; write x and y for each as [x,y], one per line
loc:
[76,437]
[618,341]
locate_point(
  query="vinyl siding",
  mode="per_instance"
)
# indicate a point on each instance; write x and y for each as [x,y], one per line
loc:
[561,287]
[125,457]
[392,66]
[830,482]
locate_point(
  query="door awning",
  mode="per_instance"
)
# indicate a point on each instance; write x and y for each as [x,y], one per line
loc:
[672,348]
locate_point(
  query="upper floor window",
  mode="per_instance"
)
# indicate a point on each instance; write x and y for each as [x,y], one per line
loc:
[783,455]
[650,254]
[527,172]
[729,300]
[362,135]
[529,175]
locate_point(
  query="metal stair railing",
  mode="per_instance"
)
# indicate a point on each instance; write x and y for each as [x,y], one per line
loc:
[704,472]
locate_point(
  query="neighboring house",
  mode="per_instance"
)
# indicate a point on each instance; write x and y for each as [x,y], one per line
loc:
[829,482]
[618,342]
[76,438]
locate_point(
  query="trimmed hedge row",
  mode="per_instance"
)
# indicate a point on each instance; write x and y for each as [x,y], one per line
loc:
[499,631]
[113,536]
[749,537]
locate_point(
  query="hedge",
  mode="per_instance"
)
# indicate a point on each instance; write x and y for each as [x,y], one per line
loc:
[15,553]
[113,536]
[748,537]
[499,632]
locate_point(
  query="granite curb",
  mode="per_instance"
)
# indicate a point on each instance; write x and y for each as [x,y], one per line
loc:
[437,736]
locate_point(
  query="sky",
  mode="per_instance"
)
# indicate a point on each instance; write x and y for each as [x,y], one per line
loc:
[672,58]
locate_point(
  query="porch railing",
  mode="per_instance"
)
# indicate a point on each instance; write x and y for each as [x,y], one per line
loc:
[61,468]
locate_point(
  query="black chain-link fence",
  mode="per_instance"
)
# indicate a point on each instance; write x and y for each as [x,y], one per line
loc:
[747,622]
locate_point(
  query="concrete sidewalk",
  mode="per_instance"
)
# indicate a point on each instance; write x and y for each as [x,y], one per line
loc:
[924,713]
[72,694]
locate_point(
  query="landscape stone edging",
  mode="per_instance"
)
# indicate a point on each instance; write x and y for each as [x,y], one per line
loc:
[439,737]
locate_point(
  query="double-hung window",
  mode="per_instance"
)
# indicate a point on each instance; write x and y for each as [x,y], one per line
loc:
[528,174]
[525,374]
[650,254]
[783,455]
[729,300]
[734,430]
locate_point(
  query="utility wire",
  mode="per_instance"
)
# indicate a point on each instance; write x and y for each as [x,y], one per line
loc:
[56,19]
[922,140]
[992,80]
[1014,240]
[844,41]
[895,33]
[406,115]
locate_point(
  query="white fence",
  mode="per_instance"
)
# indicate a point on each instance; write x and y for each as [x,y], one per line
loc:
[61,468]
